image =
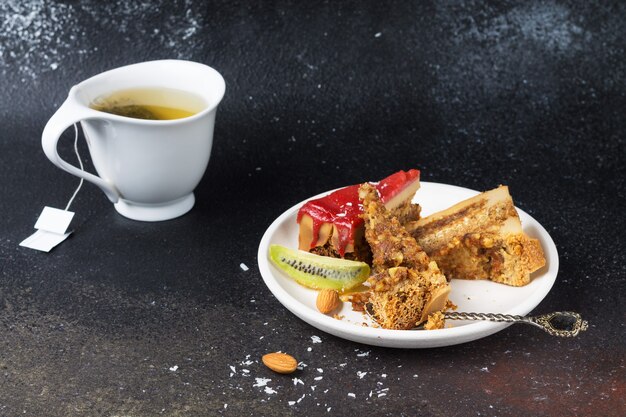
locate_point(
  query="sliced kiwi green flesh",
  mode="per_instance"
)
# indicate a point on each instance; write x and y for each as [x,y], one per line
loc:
[319,272]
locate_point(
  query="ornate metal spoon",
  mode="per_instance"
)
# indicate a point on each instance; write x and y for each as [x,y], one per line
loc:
[558,323]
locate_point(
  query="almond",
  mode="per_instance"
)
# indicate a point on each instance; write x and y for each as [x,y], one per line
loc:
[327,300]
[280,362]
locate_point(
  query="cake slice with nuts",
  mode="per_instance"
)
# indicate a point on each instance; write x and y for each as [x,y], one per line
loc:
[406,286]
[480,238]
[332,225]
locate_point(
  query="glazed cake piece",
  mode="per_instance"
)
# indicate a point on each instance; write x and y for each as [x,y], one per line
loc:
[332,225]
[406,286]
[480,238]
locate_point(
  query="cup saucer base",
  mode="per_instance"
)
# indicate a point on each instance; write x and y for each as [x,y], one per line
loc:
[155,212]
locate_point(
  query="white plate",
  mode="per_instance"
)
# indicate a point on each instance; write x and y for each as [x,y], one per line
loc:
[470,296]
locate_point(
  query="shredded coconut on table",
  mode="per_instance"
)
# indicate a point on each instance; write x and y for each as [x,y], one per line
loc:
[261,382]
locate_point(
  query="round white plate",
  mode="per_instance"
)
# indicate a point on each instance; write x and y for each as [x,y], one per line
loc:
[469,296]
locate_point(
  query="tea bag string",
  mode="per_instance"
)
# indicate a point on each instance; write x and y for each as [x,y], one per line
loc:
[80,163]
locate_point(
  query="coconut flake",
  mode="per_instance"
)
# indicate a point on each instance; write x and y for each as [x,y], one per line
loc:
[261,382]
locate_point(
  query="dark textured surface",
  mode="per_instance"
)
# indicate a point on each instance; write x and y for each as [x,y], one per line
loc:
[531,94]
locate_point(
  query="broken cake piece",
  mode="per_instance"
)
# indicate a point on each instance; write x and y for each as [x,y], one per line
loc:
[332,225]
[406,286]
[480,238]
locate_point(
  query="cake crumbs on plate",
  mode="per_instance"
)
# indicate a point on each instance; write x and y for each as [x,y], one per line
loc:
[436,320]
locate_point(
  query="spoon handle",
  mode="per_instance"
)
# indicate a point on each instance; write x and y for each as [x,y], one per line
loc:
[544,322]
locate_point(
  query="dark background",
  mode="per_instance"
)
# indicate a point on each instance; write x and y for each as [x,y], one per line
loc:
[319,95]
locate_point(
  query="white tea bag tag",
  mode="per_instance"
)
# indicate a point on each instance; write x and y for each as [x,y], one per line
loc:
[52,226]
[54,220]
[44,241]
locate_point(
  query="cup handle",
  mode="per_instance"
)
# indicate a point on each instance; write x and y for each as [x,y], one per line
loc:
[69,113]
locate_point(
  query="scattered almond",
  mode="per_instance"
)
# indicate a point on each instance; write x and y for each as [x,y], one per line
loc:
[327,300]
[280,362]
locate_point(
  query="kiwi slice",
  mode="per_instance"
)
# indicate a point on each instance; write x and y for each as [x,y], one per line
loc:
[319,272]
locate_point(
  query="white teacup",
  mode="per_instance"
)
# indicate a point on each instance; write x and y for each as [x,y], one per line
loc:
[147,168]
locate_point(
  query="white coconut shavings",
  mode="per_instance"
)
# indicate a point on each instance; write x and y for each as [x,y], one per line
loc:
[362,354]
[316,339]
[174,368]
[261,382]
[243,267]
[268,389]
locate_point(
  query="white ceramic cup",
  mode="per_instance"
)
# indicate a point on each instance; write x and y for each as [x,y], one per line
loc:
[147,168]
